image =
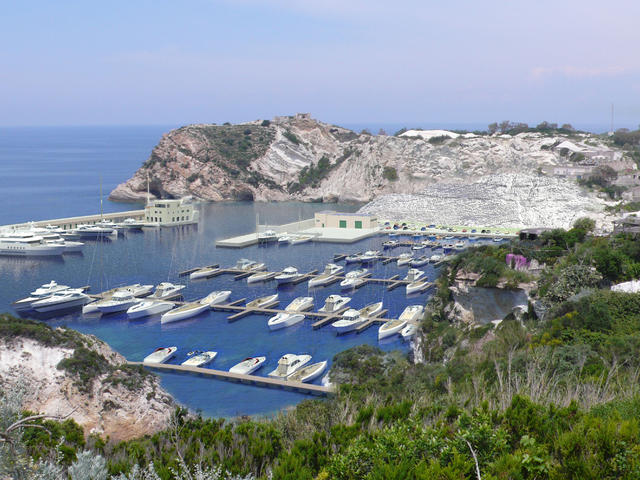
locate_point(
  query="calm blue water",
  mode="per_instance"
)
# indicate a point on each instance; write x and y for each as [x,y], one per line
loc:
[48,173]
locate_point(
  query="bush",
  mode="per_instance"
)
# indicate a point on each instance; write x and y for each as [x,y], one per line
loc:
[289,135]
[439,139]
[390,173]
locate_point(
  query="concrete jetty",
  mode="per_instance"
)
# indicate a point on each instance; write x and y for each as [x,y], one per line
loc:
[70,223]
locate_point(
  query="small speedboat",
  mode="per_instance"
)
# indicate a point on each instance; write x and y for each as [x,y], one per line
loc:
[262,302]
[413,275]
[267,236]
[120,301]
[409,331]
[284,239]
[369,256]
[131,224]
[203,272]
[300,304]
[288,275]
[418,246]
[390,328]
[147,308]
[284,319]
[187,310]
[435,258]
[259,277]
[420,261]
[160,355]
[460,246]
[354,279]
[248,365]
[298,239]
[412,313]
[354,258]
[327,276]
[351,319]
[308,373]
[199,359]
[244,264]
[404,259]
[216,297]
[138,290]
[333,303]
[288,364]
[371,310]
[417,286]
[166,291]
[390,244]
[497,239]
[61,300]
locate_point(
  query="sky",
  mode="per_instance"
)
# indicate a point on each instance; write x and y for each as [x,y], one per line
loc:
[139,62]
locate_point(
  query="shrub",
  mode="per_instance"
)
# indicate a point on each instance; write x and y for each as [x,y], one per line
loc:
[390,173]
[439,139]
[289,135]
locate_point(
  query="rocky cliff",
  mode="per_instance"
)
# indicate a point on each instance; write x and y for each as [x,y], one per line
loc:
[300,158]
[64,371]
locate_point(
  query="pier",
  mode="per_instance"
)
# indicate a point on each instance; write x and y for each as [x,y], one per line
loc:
[241,378]
[72,222]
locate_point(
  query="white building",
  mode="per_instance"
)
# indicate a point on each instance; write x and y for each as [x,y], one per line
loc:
[169,213]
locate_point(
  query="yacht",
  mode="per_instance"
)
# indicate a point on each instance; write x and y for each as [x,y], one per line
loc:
[120,301]
[288,275]
[248,365]
[267,236]
[298,239]
[354,279]
[28,245]
[136,290]
[418,246]
[131,224]
[333,303]
[390,328]
[369,256]
[308,373]
[460,246]
[351,319]
[327,276]
[435,258]
[288,364]
[371,310]
[413,275]
[53,237]
[353,258]
[262,302]
[420,261]
[99,230]
[417,286]
[390,244]
[61,301]
[412,313]
[216,297]
[46,290]
[167,291]
[409,331]
[199,359]
[160,355]
[259,277]
[187,310]
[300,304]
[404,259]
[284,239]
[244,264]
[203,272]
[147,308]
[284,319]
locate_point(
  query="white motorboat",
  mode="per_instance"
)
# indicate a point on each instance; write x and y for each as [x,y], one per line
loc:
[203,272]
[460,246]
[160,355]
[417,286]
[138,290]
[288,364]
[369,256]
[353,258]
[62,300]
[216,297]
[333,303]
[409,331]
[51,237]
[413,275]
[259,277]
[28,245]
[98,230]
[298,239]
[435,258]
[199,359]
[497,239]
[39,293]
[120,301]
[187,310]
[350,320]
[418,246]
[284,239]
[284,319]
[412,313]
[371,310]
[131,224]
[287,275]
[244,264]
[308,373]
[420,261]
[327,276]
[248,365]
[267,236]
[147,308]
[300,304]
[390,244]
[404,259]
[354,279]
[390,328]
[167,291]
[262,302]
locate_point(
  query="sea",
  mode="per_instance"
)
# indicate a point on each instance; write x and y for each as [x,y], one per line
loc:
[59,172]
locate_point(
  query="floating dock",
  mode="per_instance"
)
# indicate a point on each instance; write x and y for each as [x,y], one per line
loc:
[284,384]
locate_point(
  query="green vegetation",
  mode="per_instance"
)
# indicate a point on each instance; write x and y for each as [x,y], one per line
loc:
[84,365]
[12,328]
[289,135]
[314,174]
[390,173]
[513,128]
[439,140]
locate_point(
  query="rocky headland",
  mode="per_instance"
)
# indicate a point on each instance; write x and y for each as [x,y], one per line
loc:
[64,372]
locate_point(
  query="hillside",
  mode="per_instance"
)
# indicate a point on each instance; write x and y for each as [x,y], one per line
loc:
[301,158]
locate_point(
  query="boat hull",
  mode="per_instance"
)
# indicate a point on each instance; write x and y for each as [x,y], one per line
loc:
[388,332]
[155,308]
[77,302]
[246,368]
[170,317]
[291,320]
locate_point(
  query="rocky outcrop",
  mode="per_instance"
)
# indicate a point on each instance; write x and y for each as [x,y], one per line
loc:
[106,396]
[477,305]
[300,158]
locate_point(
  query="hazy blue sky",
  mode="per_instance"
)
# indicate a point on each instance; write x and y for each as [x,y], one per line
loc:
[348,61]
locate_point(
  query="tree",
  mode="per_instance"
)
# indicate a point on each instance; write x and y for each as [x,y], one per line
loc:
[567,126]
[365,131]
[504,126]
[382,132]
[585,223]
[493,128]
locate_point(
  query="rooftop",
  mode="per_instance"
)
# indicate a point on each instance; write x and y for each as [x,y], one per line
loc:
[347,214]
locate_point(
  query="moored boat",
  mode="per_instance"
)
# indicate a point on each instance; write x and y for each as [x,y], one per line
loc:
[199,359]
[167,291]
[298,239]
[333,303]
[351,319]
[62,300]
[216,297]
[248,365]
[46,290]
[147,308]
[259,277]
[288,364]
[203,272]
[413,275]
[409,331]
[369,256]
[308,373]
[183,312]
[300,304]
[412,313]
[287,275]
[420,261]
[390,328]
[327,276]
[262,302]
[284,319]
[120,301]
[160,355]
[371,310]
[404,259]
[354,278]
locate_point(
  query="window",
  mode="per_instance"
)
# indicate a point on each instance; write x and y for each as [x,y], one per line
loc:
[343,224]
[358,223]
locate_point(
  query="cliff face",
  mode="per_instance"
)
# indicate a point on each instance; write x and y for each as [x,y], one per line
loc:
[301,158]
[80,372]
